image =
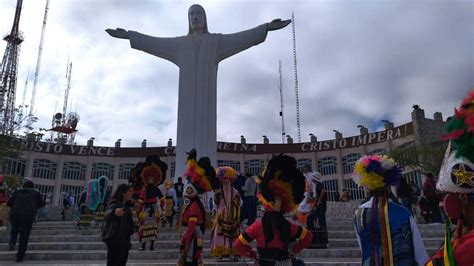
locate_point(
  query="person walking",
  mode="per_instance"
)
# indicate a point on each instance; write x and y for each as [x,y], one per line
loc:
[118,226]
[179,188]
[24,204]
[431,195]
[250,199]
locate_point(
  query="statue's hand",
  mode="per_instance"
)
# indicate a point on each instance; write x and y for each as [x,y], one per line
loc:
[118,33]
[277,24]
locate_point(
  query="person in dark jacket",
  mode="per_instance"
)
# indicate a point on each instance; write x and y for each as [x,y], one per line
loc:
[118,226]
[24,204]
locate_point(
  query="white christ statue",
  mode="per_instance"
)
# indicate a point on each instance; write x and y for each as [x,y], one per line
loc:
[197,55]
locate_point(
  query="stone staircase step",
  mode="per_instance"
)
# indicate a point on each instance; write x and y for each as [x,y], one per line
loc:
[170,244]
[81,255]
[243,261]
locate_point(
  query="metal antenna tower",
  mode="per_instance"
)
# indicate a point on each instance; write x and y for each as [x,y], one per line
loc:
[8,75]
[38,63]
[280,87]
[296,79]
[66,92]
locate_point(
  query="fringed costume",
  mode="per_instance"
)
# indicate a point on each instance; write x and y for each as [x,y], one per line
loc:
[456,178]
[386,231]
[282,188]
[226,226]
[152,172]
[103,194]
[202,178]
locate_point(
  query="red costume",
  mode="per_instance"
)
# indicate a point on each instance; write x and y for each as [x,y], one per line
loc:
[281,190]
[152,173]
[456,178]
[202,178]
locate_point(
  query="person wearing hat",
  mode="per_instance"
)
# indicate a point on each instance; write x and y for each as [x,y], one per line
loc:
[24,204]
[282,188]
[316,221]
[386,231]
[152,173]
[201,178]
[456,178]
[226,226]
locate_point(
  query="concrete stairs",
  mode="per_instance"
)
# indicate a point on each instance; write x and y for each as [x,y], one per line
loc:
[61,243]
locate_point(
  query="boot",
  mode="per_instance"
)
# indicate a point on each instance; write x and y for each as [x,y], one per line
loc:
[152,245]
[143,247]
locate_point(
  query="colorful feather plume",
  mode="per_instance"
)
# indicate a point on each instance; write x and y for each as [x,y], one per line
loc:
[460,128]
[226,173]
[376,172]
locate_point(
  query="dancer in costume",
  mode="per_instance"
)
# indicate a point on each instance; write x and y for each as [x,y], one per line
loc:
[103,198]
[227,219]
[136,185]
[64,204]
[456,178]
[305,207]
[386,231]
[88,203]
[170,203]
[153,172]
[282,188]
[202,178]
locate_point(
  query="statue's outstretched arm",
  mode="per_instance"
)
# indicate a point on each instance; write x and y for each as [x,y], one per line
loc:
[277,24]
[118,33]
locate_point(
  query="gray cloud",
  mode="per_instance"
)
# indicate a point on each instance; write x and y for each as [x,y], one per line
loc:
[358,62]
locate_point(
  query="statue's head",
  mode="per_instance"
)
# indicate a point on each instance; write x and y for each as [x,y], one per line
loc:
[197,19]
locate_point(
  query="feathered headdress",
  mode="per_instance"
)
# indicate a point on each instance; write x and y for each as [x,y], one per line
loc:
[282,179]
[457,171]
[93,194]
[376,172]
[135,179]
[153,167]
[201,173]
[226,173]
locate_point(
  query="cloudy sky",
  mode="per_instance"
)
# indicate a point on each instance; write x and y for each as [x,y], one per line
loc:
[358,62]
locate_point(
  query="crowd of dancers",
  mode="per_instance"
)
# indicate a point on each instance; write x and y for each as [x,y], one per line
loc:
[293,204]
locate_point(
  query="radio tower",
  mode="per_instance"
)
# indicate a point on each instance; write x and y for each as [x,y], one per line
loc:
[38,64]
[296,79]
[280,87]
[8,75]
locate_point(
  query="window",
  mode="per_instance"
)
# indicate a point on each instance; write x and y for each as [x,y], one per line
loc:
[75,191]
[74,171]
[44,169]
[45,190]
[380,151]
[102,169]
[233,164]
[13,166]
[349,161]
[124,170]
[415,177]
[332,189]
[173,169]
[302,162]
[327,165]
[356,192]
[406,154]
[254,167]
